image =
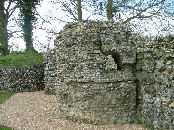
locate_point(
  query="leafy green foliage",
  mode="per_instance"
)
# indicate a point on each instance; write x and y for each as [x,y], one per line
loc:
[18,59]
[28,19]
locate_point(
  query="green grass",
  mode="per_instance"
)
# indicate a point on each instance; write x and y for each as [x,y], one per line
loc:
[4,96]
[4,128]
[18,59]
[23,59]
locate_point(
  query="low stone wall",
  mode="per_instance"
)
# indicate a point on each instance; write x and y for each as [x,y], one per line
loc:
[50,72]
[155,73]
[22,79]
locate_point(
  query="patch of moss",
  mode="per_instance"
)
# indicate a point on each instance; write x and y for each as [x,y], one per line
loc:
[18,59]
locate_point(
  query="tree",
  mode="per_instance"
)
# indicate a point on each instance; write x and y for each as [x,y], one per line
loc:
[143,9]
[131,9]
[27,12]
[73,7]
[138,13]
[3,30]
[79,10]
[109,10]
[5,14]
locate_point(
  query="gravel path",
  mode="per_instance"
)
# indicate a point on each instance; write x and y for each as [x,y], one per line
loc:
[36,111]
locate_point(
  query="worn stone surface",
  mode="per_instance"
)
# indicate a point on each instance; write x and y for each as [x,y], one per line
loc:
[50,73]
[22,79]
[155,71]
[105,74]
[95,77]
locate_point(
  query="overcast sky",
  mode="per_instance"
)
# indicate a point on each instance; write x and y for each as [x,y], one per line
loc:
[47,21]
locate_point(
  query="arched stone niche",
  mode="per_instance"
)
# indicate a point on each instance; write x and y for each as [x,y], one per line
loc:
[95,74]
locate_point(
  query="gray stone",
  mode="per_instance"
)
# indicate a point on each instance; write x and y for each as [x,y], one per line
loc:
[22,79]
[90,87]
[98,83]
[50,73]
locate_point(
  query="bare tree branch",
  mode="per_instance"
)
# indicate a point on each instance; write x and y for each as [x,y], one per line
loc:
[73,3]
[141,11]
[12,10]
[68,9]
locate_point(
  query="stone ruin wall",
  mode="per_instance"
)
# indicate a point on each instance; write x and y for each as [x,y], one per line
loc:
[22,79]
[50,73]
[155,74]
[90,87]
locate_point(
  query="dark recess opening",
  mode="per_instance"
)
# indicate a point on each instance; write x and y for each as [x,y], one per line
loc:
[117,60]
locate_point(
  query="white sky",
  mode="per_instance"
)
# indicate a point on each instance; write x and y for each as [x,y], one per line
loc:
[51,12]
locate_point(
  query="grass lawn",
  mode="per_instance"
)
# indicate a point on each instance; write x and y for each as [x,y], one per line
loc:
[21,59]
[18,59]
[4,128]
[4,96]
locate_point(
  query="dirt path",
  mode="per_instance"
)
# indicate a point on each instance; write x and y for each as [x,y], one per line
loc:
[36,111]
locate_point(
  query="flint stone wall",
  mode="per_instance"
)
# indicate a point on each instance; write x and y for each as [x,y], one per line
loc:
[155,74]
[89,86]
[50,72]
[22,79]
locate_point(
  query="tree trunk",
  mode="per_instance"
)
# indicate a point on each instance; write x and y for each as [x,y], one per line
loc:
[28,29]
[28,19]
[109,10]
[3,30]
[79,10]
